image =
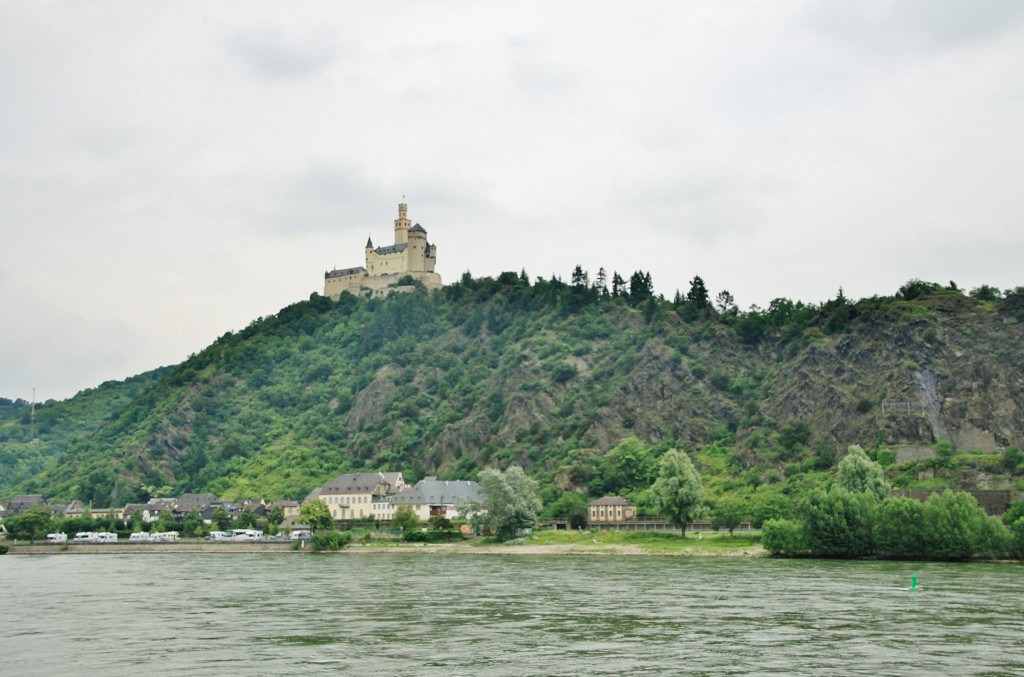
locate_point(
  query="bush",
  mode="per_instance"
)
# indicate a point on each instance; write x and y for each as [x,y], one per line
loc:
[431,536]
[783,537]
[562,372]
[1017,542]
[330,540]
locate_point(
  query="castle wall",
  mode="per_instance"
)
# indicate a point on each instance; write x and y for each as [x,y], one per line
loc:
[385,264]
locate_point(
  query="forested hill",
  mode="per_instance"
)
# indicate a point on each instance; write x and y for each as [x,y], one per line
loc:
[554,376]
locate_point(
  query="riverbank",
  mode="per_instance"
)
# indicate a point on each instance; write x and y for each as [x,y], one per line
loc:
[629,544]
[181,547]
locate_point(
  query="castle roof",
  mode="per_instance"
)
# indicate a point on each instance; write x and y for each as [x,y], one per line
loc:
[369,242]
[418,229]
[392,249]
[344,271]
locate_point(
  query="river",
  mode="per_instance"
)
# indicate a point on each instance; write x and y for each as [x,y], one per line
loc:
[410,614]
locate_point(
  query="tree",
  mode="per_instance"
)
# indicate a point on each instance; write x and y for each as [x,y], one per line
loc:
[697,297]
[783,537]
[571,506]
[726,303]
[275,515]
[510,502]
[837,523]
[897,528]
[220,518]
[728,512]
[630,464]
[794,432]
[317,515]
[857,473]
[404,518]
[618,285]
[192,525]
[246,519]
[31,525]
[677,493]
[640,288]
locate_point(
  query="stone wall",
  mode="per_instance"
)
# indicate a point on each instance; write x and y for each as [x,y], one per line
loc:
[913,452]
[970,438]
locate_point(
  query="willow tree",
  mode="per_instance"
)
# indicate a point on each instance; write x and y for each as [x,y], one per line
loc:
[857,473]
[677,493]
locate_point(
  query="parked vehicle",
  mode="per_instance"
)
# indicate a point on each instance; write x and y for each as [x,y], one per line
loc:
[219,536]
[139,537]
[56,538]
[246,535]
[301,535]
[164,537]
[86,537]
[106,537]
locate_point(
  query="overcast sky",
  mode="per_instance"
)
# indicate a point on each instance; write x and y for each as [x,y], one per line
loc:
[170,171]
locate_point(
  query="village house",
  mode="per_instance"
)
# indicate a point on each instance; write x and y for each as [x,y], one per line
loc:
[289,508]
[19,504]
[611,509]
[359,495]
[431,497]
[189,502]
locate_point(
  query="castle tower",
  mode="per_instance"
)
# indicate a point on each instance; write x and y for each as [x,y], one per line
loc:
[402,224]
[416,252]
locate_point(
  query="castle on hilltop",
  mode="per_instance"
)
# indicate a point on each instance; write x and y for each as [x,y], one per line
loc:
[411,257]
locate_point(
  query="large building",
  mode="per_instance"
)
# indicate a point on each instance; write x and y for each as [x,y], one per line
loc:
[411,257]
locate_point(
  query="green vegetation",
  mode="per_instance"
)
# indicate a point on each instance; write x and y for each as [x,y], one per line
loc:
[317,515]
[677,493]
[651,542]
[585,385]
[509,506]
[404,518]
[857,518]
[330,540]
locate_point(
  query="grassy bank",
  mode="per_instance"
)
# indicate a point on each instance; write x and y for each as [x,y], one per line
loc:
[653,542]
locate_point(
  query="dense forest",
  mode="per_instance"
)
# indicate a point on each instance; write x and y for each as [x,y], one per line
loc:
[584,383]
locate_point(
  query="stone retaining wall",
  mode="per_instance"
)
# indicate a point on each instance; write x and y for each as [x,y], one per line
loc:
[206,547]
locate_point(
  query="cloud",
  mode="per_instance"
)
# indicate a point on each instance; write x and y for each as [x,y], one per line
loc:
[914,25]
[704,206]
[270,55]
[58,352]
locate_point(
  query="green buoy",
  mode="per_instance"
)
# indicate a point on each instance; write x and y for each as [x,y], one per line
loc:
[913,581]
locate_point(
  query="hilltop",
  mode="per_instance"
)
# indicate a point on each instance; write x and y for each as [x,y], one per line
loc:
[582,386]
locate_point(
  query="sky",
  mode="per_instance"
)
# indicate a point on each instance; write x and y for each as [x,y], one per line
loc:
[170,171]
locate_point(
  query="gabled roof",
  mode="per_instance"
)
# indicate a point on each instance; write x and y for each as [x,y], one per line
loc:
[418,229]
[362,483]
[344,271]
[439,492]
[198,502]
[392,248]
[612,500]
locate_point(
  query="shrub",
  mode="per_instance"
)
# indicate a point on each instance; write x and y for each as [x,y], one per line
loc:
[562,372]
[783,537]
[330,540]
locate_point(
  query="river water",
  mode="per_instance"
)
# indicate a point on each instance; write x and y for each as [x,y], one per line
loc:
[409,614]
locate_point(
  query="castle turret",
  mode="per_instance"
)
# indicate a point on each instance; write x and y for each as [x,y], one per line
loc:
[402,224]
[416,253]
